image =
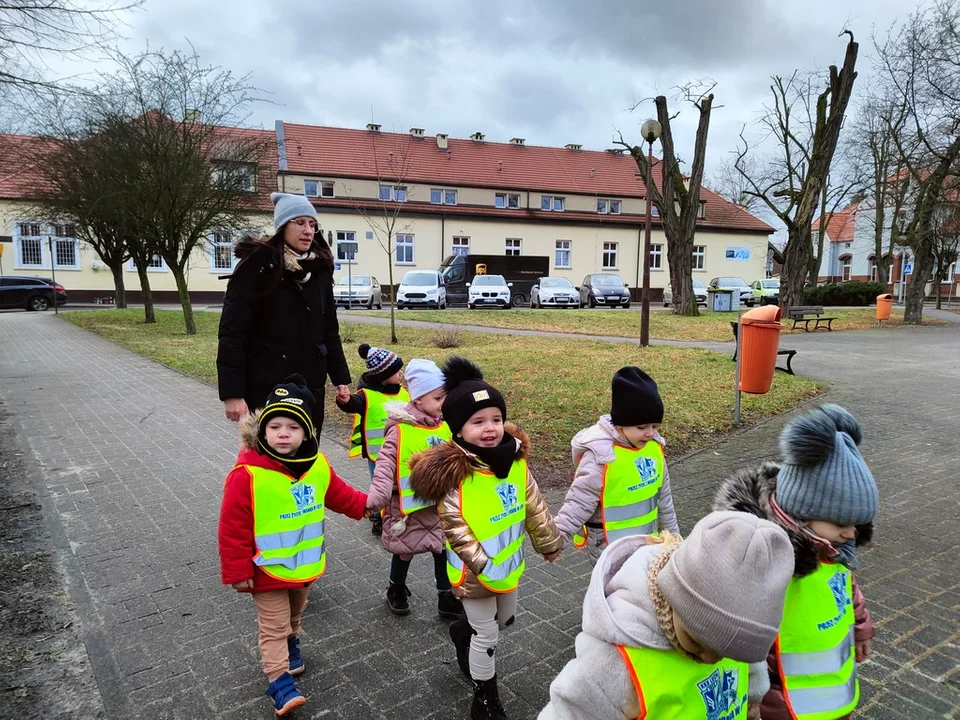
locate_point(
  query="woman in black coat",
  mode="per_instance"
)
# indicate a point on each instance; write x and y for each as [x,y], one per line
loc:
[279,315]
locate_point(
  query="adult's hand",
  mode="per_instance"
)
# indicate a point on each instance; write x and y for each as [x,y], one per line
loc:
[235,408]
[343,393]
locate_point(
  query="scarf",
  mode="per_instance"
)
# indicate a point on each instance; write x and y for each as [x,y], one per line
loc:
[845,554]
[297,265]
[499,459]
[661,606]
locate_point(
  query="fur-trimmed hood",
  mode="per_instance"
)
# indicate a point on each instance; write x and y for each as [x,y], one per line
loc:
[401,412]
[435,472]
[249,427]
[749,490]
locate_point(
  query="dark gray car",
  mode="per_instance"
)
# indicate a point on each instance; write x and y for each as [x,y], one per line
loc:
[604,289]
[30,293]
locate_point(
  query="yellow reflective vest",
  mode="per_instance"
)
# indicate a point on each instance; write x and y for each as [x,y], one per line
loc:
[412,439]
[630,495]
[671,686]
[288,521]
[496,511]
[815,648]
[367,436]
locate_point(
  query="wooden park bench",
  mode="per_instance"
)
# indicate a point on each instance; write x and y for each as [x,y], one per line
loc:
[786,353]
[809,313]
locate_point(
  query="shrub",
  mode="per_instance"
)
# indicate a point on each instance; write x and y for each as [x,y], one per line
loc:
[853,292]
[447,338]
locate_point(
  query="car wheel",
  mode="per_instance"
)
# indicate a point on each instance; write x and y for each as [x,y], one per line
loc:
[626,304]
[38,303]
[471,307]
[380,304]
[591,302]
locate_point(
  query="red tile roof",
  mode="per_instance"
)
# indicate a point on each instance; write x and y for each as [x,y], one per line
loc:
[350,153]
[840,225]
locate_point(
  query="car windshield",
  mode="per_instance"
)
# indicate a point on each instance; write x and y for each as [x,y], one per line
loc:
[489,280]
[607,281]
[420,279]
[732,282]
[355,280]
[556,283]
[771,284]
[698,285]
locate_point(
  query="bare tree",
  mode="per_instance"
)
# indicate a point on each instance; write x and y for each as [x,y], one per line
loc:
[946,241]
[804,125]
[730,184]
[920,66]
[386,217]
[678,198]
[844,186]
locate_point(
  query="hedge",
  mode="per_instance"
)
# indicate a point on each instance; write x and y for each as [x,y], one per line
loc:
[848,293]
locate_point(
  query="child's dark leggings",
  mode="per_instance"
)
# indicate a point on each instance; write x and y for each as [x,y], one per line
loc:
[399,568]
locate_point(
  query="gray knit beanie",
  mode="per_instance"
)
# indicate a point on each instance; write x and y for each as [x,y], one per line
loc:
[286,207]
[727,582]
[824,476]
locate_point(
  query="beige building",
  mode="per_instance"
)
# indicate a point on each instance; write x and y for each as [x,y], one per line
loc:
[582,209]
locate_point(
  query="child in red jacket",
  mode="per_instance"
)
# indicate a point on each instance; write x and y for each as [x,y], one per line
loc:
[272,527]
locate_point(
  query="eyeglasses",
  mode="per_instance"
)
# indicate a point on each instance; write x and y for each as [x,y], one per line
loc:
[303,222]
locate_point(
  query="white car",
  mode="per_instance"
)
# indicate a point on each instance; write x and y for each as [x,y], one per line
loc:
[358,291]
[699,290]
[554,292]
[489,291]
[422,288]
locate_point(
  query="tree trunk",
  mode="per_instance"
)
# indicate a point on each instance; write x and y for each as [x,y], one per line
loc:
[189,323]
[393,296]
[149,314]
[795,265]
[119,289]
[922,271]
[681,282]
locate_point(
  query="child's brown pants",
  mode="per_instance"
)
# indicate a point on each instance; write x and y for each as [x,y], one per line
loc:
[278,614]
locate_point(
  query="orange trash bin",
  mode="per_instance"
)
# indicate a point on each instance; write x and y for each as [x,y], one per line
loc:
[759,343]
[884,306]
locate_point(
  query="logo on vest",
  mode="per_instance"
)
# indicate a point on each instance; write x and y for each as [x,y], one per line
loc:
[838,586]
[433,441]
[507,492]
[719,693]
[306,498]
[647,467]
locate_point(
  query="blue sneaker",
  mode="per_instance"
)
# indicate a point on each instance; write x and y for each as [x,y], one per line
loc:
[283,691]
[297,666]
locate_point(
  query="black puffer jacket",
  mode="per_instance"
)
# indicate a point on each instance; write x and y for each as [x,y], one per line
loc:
[267,334]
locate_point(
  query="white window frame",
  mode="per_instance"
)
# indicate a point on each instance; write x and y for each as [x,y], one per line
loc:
[563,246]
[555,203]
[384,190]
[610,250]
[405,241]
[57,232]
[460,245]
[603,206]
[513,247]
[316,186]
[221,239]
[618,204]
[162,267]
[443,196]
[345,236]
[698,262]
[502,201]
[656,256]
[327,185]
[872,268]
[846,268]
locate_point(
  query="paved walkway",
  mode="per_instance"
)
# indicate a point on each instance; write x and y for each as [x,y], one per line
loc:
[131,457]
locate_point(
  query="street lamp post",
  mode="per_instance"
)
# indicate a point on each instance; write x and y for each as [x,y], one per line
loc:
[650,131]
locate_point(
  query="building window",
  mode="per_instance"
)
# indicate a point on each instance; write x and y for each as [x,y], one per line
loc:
[656,257]
[397,192]
[439,196]
[247,177]
[614,207]
[65,253]
[404,249]
[221,251]
[702,210]
[602,206]
[610,255]
[385,192]
[845,268]
[513,246]
[154,264]
[318,188]
[509,201]
[239,176]
[654,210]
[699,256]
[32,251]
[562,254]
[552,202]
[461,245]
[606,205]
[346,246]
[872,268]
[29,229]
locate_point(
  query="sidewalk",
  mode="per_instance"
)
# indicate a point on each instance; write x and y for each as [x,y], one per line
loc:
[132,456]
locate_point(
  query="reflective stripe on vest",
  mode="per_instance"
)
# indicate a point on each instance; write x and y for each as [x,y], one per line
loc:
[495,512]
[412,439]
[816,649]
[630,496]
[368,429]
[288,521]
[671,685]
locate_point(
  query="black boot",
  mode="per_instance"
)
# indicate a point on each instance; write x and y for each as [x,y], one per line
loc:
[449,607]
[377,528]
[397,599]
[486,701]
[460,633]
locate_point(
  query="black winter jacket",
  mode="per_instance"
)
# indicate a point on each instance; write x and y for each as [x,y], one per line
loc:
[267,335]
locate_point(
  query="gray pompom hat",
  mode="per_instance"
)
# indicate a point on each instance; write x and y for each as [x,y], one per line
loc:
[823,475]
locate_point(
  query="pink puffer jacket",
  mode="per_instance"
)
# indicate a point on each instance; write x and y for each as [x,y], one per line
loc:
[419,532]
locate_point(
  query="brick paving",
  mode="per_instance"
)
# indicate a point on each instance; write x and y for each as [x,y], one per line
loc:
[131,458]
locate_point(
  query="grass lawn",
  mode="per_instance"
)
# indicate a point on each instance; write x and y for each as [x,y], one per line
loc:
[553,388]
[709,327]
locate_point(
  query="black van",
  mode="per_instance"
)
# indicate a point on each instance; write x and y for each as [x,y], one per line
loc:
[521,270]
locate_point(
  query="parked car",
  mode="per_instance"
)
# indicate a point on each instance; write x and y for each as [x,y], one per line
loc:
[554,292]
[489,291]
[735,284]
[358,291]
[699,290]
[766,291]
[422,288]
[604,289]
[30,293]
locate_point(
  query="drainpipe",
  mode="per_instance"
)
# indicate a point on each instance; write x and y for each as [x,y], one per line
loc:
[443,219]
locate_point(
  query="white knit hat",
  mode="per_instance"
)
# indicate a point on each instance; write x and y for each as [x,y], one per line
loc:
[423,376]
[286,207]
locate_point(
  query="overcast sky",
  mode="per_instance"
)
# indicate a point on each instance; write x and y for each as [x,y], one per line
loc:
[551,71]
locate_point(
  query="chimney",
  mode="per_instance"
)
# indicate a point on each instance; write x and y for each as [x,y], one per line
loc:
[499,164]
[191,115]
[373,127]
[442,141]
[517,141]
[416,132]
[573,147]
[593,172]
[477,137]
[618,152]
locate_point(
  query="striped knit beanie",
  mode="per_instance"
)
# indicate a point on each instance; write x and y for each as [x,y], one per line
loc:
[381,363]
[290,399]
